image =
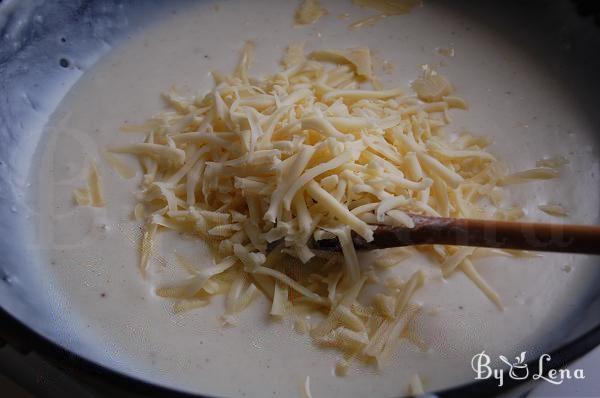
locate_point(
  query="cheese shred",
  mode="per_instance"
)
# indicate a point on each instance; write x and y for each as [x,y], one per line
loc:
[92,195]
[260,166]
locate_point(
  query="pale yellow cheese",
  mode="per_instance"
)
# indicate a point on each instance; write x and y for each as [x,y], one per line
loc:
[307,153]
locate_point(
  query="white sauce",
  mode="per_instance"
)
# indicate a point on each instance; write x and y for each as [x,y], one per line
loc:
[95,250]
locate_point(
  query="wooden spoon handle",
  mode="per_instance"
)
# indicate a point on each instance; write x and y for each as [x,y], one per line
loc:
[482,233]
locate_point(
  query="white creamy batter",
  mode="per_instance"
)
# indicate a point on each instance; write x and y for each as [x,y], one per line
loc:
[92,252]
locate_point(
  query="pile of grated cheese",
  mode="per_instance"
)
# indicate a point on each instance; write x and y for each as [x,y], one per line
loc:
[315,151]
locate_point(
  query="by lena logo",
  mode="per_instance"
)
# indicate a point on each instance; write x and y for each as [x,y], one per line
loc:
[519,370]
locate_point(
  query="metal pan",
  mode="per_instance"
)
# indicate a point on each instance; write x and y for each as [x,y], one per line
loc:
[46,46]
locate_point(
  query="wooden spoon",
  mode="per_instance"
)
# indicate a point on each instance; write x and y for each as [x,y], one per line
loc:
[482,233]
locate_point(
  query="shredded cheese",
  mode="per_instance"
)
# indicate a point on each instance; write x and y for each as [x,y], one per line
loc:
[308,153]
[431,86]
[416,386]
[341,368]
[539,173]
[359,58]
[306,390]
[119,166]
[554,162]
[92,195]
[310,11]
[385,8]
[554,210]
[445,51]
[294,55]
[81,196]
